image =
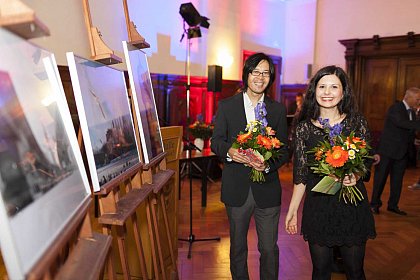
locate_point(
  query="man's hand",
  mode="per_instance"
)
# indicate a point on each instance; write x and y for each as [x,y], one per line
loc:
[238,157]
[257,165]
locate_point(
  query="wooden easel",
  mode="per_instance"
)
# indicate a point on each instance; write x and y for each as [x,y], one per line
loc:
[118,201]
[173,145]
[78,252]
[156,175]
[134,37]
[21,20]
[99,50]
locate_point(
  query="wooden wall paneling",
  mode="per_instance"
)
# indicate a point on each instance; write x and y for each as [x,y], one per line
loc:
[170,94]
[409,69]
[381,69]
[289,92]
[379,89]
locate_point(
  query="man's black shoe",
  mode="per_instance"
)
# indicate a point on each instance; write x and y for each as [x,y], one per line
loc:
[375,210]
[397,211]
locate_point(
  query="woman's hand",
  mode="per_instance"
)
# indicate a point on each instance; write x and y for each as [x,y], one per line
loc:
[291,217]
[350,179]
[291,222]
[376,159]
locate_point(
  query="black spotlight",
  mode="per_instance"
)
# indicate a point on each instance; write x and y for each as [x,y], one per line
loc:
[192,17]
[194,32]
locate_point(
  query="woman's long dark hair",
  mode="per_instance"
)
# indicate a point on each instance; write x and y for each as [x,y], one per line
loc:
[310,107]
[250,64]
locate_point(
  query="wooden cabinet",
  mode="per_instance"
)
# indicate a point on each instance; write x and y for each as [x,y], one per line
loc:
[381,69]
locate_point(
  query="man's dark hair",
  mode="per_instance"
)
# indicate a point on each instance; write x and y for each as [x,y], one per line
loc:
[250,65]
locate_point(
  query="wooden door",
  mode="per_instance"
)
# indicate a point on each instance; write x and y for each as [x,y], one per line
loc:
[378,91]
[409,75]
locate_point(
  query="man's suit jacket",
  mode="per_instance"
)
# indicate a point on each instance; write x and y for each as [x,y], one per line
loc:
[398,132]
[230,120]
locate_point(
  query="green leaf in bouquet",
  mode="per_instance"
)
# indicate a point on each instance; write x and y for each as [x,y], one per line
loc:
[267,155]
[236,145]
[327,185]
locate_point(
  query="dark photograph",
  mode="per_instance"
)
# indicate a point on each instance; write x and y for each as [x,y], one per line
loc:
[138,71]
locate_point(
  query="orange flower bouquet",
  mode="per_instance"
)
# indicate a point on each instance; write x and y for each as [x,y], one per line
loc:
[259,143]
[336,157]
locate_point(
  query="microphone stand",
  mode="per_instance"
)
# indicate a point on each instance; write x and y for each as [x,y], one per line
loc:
[191,237]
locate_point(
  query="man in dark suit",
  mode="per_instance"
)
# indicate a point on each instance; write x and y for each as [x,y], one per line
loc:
[242,197]
[397,136]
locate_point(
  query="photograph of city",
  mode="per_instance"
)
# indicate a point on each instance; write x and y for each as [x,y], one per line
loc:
[105,119]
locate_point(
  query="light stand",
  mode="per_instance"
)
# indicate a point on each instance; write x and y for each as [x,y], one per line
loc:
[191,238]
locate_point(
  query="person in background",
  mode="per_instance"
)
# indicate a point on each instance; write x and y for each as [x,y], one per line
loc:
[397,136]
[327,221]
[242,197]
[295,107]
[416,185]
[296,110]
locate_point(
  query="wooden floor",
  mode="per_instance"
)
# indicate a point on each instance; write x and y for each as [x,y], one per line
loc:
[394,254]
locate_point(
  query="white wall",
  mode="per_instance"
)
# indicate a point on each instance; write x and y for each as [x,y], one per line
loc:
[299,40]
[344,19]
[301,31]
[65,21]
[235,25]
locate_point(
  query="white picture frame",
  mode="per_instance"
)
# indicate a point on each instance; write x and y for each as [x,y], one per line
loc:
[144,102]
[43,182]
[105,119]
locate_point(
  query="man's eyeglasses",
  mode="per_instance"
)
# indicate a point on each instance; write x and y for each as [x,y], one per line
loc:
[257,73]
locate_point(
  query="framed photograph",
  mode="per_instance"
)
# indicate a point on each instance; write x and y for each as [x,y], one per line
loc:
[105,119]
[43,181]
[144,101]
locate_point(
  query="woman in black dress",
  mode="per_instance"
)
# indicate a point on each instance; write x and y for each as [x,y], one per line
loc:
[328,221]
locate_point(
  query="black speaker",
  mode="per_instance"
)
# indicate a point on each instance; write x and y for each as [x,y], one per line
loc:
[308,71]
[214,78]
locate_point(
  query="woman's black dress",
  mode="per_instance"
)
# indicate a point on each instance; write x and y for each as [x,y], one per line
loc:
[328,221]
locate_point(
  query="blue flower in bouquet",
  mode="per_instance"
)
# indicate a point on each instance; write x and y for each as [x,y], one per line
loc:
[260,113]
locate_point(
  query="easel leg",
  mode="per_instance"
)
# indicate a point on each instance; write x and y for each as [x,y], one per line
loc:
[152,240]
[139,247]
[123,254]
[110,262]
[168,232]
[110,266]
[155,225]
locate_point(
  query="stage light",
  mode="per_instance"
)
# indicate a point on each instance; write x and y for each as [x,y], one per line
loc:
[191,16]
[194,32]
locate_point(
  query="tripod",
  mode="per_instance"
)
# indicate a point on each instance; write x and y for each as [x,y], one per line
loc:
[191,238]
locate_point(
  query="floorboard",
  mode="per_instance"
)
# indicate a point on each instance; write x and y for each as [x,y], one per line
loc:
[394,254]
